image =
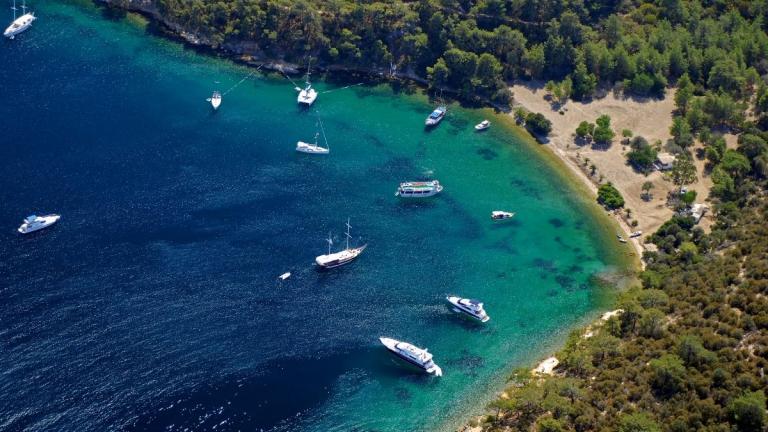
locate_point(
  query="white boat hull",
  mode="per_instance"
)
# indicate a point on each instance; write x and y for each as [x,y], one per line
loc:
[460,308]
[45,222]
[19,25]
[340,258]
[307,97]
[303,147]
[391,344]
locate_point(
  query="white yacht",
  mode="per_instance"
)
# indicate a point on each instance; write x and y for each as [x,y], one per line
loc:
[303,147]
[413,355]
[215,100]
[501,215]
[307,95]
[338,259]
[34,223]
[21,23]
[483,125]
[473,308]
[419,189]
[436,116]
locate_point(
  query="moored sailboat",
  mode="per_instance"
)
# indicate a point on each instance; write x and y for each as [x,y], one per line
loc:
[338,259]
[21,23]
[310,148]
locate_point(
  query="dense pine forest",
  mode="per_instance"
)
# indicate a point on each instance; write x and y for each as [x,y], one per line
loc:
[475,47]
[689,352]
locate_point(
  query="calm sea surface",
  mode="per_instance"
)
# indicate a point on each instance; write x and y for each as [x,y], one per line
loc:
[154,303]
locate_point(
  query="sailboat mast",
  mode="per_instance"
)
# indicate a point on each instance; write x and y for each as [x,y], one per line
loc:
[330,242]
[325,138]
[348,236]
[24,7]
[14,10]
[309,62]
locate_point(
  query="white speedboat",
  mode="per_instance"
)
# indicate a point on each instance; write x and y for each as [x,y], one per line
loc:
[307,95]
[34,223]
[483,125]
[636,234]
[21,23]
[284,276]
[310,148]
[437,116]
[412,354]
[338,259]
[501,215]
[473,308]
[419,189]
[215,100]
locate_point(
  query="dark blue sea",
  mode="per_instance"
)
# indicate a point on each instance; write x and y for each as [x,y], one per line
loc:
[154,303]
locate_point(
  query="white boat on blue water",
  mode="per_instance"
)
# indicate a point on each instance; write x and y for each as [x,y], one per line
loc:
[21,23]
[469,307]
[412,354]
[436,116]
[34,223]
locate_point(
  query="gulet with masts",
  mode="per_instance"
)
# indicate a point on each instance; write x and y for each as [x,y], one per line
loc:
[21,23]
[338,259]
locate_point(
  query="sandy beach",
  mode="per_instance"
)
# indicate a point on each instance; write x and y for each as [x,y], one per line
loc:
[650,118]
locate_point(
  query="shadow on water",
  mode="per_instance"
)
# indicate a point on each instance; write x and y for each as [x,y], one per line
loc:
[289,387]
[111,13]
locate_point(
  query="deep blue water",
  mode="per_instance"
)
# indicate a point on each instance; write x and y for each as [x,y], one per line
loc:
[154,304]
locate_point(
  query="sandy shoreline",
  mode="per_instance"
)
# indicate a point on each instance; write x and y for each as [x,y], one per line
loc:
[650,118]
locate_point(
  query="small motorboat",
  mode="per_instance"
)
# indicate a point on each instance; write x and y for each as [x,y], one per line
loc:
[636,234]
[483,125]
[34,223]
[621,239]
[501,215]
[436,116]
[284,276]
[215,100]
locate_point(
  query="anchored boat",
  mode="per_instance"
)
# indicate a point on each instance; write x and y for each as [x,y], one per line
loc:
[303,147]
[215,100]
[469,307]
[419,189]
[21,23]
[437,116]
[413,355]
[34,223]
[501,215]
[483,125]
[338,259]
[307,95]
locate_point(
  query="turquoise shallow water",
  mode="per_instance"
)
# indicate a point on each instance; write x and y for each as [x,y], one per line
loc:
[153,304]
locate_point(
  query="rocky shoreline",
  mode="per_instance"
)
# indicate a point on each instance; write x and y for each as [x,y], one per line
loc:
[249,53]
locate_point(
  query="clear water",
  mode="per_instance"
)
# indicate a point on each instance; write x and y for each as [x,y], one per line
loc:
[154,303]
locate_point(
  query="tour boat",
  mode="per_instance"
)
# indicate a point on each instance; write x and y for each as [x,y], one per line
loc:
[307,95]
[436,116]
[34,223]
[500,215]
[215,100]
[21,23]
[636,234]
[304,147]
[419,189]
[472,308]
[412,354]
[483,125]
[338,259]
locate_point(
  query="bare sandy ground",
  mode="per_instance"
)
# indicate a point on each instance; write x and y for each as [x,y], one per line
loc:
[650,118]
